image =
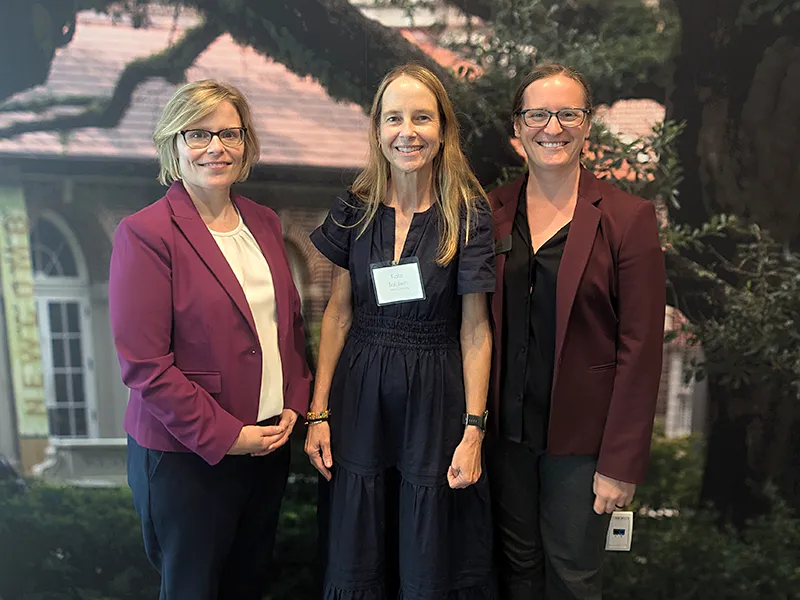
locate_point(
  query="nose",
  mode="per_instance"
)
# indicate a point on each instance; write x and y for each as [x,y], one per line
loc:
[215,146]
[554,126]
[408,128]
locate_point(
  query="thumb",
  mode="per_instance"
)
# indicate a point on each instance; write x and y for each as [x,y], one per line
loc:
[326,455]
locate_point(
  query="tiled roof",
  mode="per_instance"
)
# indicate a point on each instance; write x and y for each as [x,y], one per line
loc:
[297,122]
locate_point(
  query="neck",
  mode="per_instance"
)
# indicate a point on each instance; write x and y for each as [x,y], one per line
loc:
[558,187]
[210,203]
[411,192]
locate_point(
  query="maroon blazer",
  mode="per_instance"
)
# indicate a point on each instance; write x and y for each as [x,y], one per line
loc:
[610,303]
[184,332]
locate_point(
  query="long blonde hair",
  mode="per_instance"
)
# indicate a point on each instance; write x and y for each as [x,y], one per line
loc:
[455,186]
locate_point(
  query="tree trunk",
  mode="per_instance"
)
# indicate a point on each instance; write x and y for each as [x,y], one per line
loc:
[737,86]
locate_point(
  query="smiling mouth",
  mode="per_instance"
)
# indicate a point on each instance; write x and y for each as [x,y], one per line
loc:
[407,149]
[552,145]
[215,164]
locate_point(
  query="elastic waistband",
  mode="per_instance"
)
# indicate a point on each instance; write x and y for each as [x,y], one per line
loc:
[398,332]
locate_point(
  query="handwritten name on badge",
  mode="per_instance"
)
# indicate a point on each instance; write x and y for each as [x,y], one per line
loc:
[395,283]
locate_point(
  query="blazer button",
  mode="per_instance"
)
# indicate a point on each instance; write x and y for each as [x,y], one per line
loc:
[253,351]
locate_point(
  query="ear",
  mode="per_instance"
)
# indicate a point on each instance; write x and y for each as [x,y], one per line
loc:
[516,127]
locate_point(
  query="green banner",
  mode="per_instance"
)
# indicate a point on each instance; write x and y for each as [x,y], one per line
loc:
[25,354]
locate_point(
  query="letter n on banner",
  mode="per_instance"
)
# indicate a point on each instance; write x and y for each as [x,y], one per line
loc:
[25,355]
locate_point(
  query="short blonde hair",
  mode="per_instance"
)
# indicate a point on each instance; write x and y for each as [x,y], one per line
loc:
[190,103]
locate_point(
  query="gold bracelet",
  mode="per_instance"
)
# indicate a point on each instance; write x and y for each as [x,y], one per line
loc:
[318,416]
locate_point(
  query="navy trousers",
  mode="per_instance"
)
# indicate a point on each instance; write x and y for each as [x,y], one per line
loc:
[208,530]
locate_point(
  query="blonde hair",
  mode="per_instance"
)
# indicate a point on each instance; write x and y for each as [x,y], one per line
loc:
[455,186]
[190,103]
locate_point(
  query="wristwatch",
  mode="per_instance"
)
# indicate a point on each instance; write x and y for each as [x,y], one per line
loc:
[478,421]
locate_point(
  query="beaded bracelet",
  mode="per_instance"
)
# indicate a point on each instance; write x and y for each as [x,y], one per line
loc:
[317,417]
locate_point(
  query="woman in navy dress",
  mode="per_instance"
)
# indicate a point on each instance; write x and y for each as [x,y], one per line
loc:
[404,360]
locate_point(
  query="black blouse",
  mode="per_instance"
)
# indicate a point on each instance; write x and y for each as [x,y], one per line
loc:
[529,332]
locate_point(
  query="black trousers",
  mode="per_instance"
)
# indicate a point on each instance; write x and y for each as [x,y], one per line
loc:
[208,530]
[549,543]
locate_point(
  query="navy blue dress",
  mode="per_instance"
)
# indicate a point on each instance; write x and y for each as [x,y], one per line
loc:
[397,399]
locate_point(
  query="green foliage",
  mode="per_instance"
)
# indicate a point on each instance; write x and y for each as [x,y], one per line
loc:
[689,557]
[620,46]
[60,543]
[674,473]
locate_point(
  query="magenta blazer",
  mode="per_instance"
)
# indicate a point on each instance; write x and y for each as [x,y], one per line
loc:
[184,333]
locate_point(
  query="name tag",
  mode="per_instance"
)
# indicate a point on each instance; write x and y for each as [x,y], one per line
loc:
[397,282]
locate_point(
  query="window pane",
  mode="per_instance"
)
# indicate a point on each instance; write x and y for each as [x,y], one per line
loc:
[75,353]
[59,360]
[62,395]
[56,320]
[59,421]
[77,388]
[52,256]
[72,317]
[80,421]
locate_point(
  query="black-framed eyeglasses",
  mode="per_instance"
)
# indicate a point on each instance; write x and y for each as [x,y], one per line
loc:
[201,138]
[567,117]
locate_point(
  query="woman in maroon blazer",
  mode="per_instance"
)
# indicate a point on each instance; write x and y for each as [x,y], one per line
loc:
[579,321]
[207,326]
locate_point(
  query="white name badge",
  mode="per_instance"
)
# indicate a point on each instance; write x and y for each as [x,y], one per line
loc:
[396,282]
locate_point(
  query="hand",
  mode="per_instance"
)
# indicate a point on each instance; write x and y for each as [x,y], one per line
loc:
[610,494]
[288,419]
[318,447]
[465,468]
[253,438]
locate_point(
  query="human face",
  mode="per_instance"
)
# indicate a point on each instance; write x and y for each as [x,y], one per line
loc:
[409,128]
[553,147]
[216,167]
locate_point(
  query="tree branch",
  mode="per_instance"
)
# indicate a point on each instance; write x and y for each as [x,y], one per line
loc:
[45,103]
[348,54]
[171,64]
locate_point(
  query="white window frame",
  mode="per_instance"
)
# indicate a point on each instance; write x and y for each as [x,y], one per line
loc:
[60,289]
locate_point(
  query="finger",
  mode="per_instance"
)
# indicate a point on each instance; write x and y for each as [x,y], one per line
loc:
[599,505]
[317,462]
[271,430]
[280,442]
[327,457]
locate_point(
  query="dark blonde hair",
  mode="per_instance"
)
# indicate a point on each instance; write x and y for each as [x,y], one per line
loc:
[189,104]
[543,71]
[455,186]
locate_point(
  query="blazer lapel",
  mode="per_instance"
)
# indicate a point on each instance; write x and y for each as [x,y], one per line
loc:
[582,232]
[508,198]
[188,220]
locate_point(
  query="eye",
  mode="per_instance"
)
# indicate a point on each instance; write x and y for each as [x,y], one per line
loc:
[196,134]
[230,134]
[569,114]
[537,115]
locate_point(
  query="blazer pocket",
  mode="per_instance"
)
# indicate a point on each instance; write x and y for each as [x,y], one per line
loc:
[603,367]
[210,381]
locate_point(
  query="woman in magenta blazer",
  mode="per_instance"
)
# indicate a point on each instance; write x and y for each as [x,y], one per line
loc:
[207,327]
[579,323]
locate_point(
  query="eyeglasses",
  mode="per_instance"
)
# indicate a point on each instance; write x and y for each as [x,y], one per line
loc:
[567,117]
[198,139]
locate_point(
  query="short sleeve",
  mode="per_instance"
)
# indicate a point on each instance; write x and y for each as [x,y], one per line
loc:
[332,238]
[476,260]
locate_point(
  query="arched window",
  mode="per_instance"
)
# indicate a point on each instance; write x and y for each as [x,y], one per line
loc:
[61,284]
